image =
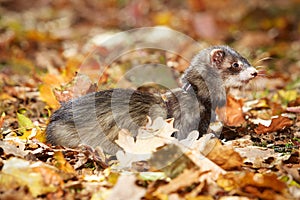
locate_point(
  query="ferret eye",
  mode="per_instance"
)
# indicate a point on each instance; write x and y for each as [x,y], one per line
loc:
[235,65]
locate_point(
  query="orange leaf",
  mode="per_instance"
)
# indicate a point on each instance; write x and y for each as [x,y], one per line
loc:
[225,156]
[277,124]
[51,79]
[232,114]
[2,117]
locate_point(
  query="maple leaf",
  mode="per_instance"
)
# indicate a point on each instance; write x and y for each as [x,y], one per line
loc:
[150,137]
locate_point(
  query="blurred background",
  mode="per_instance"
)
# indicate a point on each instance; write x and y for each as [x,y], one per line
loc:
[29,28]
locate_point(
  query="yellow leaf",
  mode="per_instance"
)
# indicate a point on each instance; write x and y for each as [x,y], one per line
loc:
[72,66]
[288,96]
[24,123]
[62,164]
[26,135]
[48,96]
[40,135]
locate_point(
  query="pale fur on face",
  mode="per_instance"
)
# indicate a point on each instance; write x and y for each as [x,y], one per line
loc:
[240,79]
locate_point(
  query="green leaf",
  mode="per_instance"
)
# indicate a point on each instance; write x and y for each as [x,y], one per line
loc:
[24,122]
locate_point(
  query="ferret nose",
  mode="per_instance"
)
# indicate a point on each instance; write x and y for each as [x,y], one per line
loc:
[252,71]
[254,74]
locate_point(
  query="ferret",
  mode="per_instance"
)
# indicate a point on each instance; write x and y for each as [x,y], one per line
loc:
[96,118]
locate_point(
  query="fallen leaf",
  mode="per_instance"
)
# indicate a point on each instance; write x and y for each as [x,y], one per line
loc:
[256,156]
[150,137]
[126,188]
[24,123]
[225,156]
[73,65]
[61,163]
[52,80]
[265,186]
[277,124]
[171,160]
[233,112]
[2,117]
[23,173]
[288,96]
[185,179]
[48,96]
[12,149]
[39,134]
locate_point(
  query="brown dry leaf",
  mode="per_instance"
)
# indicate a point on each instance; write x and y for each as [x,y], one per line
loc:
[257,156]
[225,156]
[80,85]
[233,112]
[207,165]
[277,124]
[265,186]
[197,152]
[10,148]
[63,95]
[184,180]
[61,163]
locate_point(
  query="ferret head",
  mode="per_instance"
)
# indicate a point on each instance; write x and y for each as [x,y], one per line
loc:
[234,69]
[214,70]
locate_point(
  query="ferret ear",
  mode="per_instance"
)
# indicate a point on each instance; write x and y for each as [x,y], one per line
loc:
[217,56]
